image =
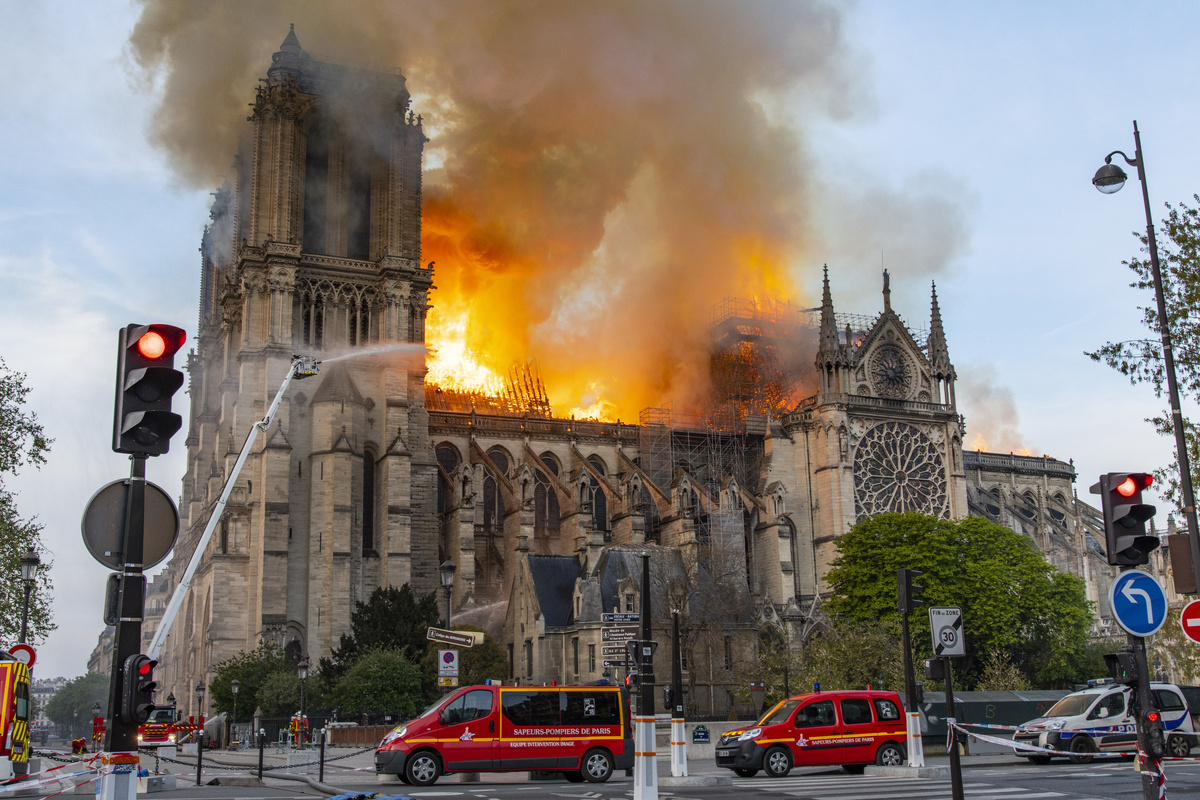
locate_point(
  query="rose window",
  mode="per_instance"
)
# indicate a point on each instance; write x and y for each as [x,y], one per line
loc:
[898,468]
[890,373]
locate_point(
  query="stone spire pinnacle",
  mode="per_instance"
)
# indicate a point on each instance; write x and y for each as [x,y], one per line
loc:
[887,291]
[829,331]
[290,43]
[939,355]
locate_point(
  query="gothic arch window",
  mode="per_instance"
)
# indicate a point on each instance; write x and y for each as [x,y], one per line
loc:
[493,500]
[312,318]
[649,510]
[547,518]
[360,322]
[316,187]
[447,457]
[368,500]
[898,468]
[600,519]
[358,211]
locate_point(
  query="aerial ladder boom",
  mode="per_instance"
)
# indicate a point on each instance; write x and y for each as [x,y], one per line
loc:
[302,367]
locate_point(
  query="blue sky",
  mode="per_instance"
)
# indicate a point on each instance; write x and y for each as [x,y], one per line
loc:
[1008,109]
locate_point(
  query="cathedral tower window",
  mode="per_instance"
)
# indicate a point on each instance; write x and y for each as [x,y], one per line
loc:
[360,322]
[358,214]
[546,514]
[447,458]
[316,188]
[599,501]
[312,318]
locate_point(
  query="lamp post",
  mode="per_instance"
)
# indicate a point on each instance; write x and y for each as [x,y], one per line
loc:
[29,566]
[1109,179]
[302,672]
[199,699]
[233,687]
[447,570]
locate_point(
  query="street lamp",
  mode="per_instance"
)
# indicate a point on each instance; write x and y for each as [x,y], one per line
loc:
[1108,179]
[302,671]
[233,686]
[447,570]
[29,566]
[199,699]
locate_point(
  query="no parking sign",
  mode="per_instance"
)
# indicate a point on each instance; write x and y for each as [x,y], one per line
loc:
[447,663]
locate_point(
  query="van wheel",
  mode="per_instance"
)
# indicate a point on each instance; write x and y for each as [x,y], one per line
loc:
[1082,748]
[777,762]
[573,776]
[1039,759]
[745,773]
[597,765]
[422,768]
[1178,746]
[854,769]
[890,754]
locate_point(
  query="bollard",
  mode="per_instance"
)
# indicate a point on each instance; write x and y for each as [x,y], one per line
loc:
[262,742]
[199,754]
[321,759]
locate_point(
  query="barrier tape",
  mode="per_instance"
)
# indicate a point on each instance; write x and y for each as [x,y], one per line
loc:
[25,785]
[253,766]
[1030,749]
[1109,729]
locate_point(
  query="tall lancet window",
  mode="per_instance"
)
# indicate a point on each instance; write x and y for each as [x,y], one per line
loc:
[316,188]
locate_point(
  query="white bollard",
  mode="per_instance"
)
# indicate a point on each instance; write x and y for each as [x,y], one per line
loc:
[916,747]
[118,776]
[678,749]
[645,760]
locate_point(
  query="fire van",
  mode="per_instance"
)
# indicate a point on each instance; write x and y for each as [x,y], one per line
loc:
[159,729]
[584,732]
[850,728]
[14,717]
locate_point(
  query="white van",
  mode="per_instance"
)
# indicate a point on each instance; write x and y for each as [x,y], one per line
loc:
[1099,720]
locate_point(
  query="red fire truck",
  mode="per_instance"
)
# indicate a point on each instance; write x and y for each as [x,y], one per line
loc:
[14,717]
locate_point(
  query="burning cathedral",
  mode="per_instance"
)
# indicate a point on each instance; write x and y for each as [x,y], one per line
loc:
[373,477]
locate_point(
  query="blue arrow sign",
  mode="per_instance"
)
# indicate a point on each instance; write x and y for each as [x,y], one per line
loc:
[1138,602]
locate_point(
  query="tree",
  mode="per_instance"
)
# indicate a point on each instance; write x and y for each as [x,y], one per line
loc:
[1012,600]
[22,442]
[1141,360]
[252,671]
[390,619]
[1000,674]
[380,680]
[71,706]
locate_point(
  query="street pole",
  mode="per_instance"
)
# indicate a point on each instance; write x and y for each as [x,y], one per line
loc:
[956,782]
[645,756]
[121,736]
[1143,700]
[25,612]
[679,768]
[1177,426]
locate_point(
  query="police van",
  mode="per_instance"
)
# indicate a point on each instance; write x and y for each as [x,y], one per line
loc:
[1099,720]
[584,732]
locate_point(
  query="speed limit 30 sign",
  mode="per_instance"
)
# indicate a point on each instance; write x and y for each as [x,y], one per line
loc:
[945,625]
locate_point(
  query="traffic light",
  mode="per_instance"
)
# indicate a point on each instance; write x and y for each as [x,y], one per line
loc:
[143,422]
[668,696]
[910,593]
[137,688]
[1154,743]
[935,669]
[1122,666]
[1125,517]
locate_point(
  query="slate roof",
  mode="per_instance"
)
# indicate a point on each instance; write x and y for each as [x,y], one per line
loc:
[338,386]
[554,583]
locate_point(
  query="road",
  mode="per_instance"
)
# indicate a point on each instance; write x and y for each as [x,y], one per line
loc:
[985,778]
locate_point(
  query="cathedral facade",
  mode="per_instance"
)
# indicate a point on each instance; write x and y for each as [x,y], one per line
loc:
[370,478]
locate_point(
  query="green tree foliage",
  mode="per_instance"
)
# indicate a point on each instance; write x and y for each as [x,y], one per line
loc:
[381,680]
[1000,674]
[1012,600]
[1141,360]
[22,443]
[251,670]
[390,619]
[280,694]
[475,664]
[71,706]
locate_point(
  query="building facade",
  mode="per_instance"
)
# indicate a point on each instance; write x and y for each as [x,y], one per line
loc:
[370,478]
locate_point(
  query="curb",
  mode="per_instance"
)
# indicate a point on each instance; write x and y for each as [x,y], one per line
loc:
[696,780]
[908,772]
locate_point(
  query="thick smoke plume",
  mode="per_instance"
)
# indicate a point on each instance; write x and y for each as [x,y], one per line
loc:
[600,173]
[993,423]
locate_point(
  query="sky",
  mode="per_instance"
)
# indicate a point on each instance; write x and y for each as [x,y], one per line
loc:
[1008,109]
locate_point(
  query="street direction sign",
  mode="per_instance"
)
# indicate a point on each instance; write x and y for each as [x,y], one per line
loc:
[1138,602]
[448,663]
[460,638]
[615,663]
[621,634]
[945,625]
[619,619]
[1189,620]
[612,650]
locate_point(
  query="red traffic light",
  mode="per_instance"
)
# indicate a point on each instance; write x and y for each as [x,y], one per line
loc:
[146,667]
[1152,716]
[1134,484]
[159,341]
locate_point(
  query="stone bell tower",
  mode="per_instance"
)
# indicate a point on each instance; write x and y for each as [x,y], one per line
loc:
[314,247]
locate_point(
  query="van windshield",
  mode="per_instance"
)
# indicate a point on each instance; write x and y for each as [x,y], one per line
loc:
[1071,706]
[434,705]
[779,713]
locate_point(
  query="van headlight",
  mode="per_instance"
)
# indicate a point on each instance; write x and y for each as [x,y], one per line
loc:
[395,734]
[1055,725]
[750,734]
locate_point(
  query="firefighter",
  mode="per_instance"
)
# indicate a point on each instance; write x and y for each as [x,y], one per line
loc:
[298,729]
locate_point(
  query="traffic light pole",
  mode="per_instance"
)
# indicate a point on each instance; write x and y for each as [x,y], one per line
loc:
[1143,701]
[956,782]
[645,755]
[121,736]
[679,767]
